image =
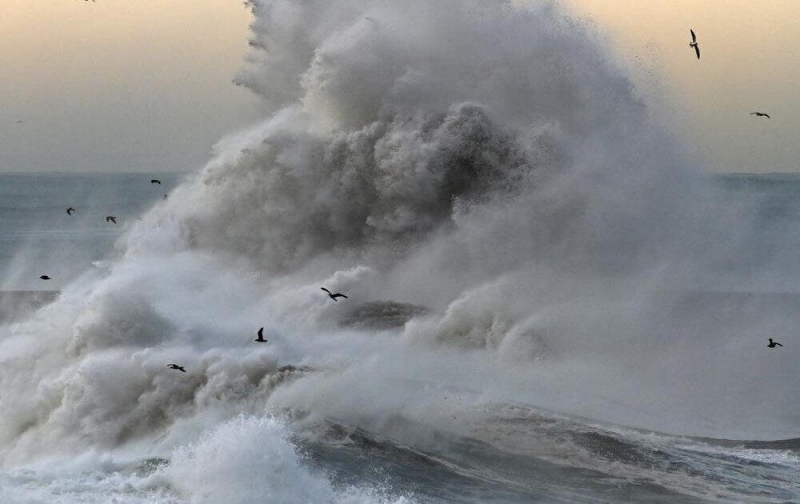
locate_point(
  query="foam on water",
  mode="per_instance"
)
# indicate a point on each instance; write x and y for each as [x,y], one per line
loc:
[483,163]
[251,460]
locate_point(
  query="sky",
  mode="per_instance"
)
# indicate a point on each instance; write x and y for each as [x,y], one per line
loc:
[145,85]
[749,60]
[119,85]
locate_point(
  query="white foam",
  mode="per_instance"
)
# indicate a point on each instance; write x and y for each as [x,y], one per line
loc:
[487,162]
[251,460]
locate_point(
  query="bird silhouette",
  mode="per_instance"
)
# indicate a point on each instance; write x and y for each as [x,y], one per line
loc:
[760,114]
[260,338]
[773,344]
[694,43]
[155,181]
[111,218]
[70,210]
[176,367]
[44,277]
[334,296]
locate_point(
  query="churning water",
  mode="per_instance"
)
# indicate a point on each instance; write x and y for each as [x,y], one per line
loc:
[547,300]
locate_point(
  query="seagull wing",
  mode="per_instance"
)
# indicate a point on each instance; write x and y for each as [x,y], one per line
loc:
[697,50]
[767,116]
[694,37]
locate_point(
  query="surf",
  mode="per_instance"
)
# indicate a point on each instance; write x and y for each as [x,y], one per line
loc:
[511,226]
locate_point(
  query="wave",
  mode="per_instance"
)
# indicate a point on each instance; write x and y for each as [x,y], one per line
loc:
[486,171]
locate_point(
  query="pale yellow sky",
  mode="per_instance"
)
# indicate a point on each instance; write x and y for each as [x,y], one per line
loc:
[139,85]
[750,60]
[119,85]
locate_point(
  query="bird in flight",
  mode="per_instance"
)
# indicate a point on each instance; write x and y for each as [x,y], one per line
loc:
[70,210]
[694,43]
[760,114]
[44,277]
[334,296]
[19,122]
[176,367]
[155,181]
[111,218]
[773,344]
[260,338]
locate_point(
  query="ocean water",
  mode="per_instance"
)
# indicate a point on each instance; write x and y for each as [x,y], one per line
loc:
[38,237]
[548,301]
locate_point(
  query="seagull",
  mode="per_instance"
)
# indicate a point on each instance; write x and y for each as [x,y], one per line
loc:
[176,367]
[44,277]
[760,114]
[111,218]
[773,344]
[19,122]
[694,43]
[334,296]
[260,338]
[70,210]
[155,181]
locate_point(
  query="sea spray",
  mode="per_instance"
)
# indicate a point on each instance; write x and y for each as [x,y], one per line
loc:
[252,460]
[485,163]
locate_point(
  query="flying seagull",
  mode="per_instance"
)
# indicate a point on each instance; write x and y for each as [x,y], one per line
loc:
[773,344]
[70,210]
[155,181]
[334,296]
[176,367]
[44,277]
[760,114]
[260,338]
[694,43]
[111,218]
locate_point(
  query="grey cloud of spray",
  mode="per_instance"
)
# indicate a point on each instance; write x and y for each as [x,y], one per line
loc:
[484,159]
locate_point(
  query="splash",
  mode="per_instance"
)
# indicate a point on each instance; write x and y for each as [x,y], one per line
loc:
[482,166]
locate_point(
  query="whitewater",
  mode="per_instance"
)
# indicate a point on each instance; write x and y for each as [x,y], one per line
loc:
[548,299]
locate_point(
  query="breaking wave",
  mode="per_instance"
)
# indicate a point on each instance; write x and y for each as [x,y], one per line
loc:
[510,224]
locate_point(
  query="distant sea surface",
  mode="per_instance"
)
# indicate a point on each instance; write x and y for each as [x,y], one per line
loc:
[37,237]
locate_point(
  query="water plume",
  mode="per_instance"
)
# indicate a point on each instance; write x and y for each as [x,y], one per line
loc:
[485,167]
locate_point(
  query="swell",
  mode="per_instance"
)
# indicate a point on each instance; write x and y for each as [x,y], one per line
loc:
[570,462]
[487,173]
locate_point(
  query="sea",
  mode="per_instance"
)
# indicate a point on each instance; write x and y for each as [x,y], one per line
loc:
[548,298]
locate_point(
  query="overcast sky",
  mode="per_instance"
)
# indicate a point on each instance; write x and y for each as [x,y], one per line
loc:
[145,85]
